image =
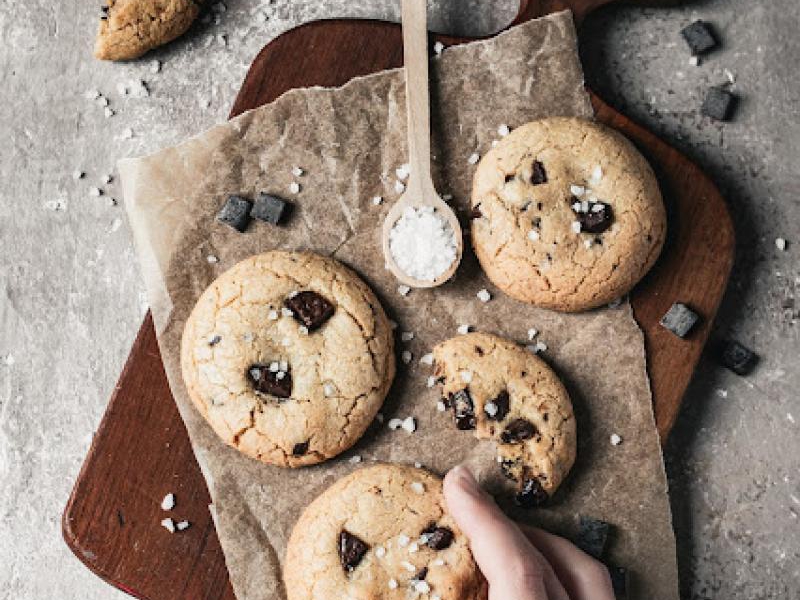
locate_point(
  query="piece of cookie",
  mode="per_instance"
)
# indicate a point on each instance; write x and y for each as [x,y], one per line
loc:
[507,394]
[288,356]
[129,28]
[381,533]
[566,214]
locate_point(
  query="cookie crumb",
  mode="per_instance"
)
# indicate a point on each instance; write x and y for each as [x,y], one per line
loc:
[615,439]
[484,295]
[168,524]
[168,503]
[410,424]
[474,158]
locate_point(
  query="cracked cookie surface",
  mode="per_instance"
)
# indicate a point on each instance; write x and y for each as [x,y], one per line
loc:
[382,532]
[129,28]
[507,394]
[288,387]
[566,214]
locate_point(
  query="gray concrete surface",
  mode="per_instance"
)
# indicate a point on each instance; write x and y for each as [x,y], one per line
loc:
[72,297]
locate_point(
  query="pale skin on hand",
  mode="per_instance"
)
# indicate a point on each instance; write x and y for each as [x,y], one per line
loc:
[521,564]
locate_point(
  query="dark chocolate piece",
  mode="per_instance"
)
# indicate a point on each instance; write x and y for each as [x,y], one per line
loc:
[593,536]
[679,319]
[501,402]
[311,309]
[699,36]
[597,219]
[300,449]
[539,175]
[518,430]
[531,493]
[439,538]
[274,383]
[718,104]
[463,409]
[476,213]
[269,208]
[620,581]
[423,573]
[236,213]
[351,550]
[737,358]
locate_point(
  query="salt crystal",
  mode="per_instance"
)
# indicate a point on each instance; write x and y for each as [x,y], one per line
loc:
[399,187]
[422,587]
[503,130]
[272,315]
[286,312]
[438,47]
[597,174]
[577,190]
[155,66]
[417,487]
[95,191]
[540,347]
[211,259]
[168,503]
[431,381]
[780,244]
[355,460]
[303,329]
[403,540]
[408,566]
[402,171]
[694,60]
[615,439]
[107,179]
[127,133]
[576,226]
[168,525]
[533,235]
[182,525]
[294,187]
[328,389]
[588,243]
[395,423]
[427,359]
[532,333]
[406,356]
[473,158]
[490,409]
[422,244]
[407,336]
[466,376]
[484,295]
[439,562]
[380,551]
[463,329]
[403,290]
[297,171]
[108,112]
[410,424]
[77,174]
[92,94]
[377,200]
[441,406]
[392,584]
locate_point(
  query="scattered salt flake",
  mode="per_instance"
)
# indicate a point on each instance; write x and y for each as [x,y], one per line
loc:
[597,174]
[392,584]
[303,329]
[399,187]
[182,525]
[417,465]
[403,540]
[127,133]
[286,312]
[790,418]
[780,244]
[212,260]
[576,226]
[294,187]
[403,290]
[447,197]
[403,171]
[490,409]
[532,333]
[103,101]
[417,487]
[422,587]
[694,60]
[463,329]
[494,143]
[380,551]
[328,389]
[77,174]
[439,562]
[722,393]
[155,66]
[503,130]
[115,225]
[407,336]
[377,200]
[406,356]
[108,112]
[95,191]
[438,48]
[408,566]
[484,295]
[298,171]
[92,94]
[168,525]
[10,360]
[395,424]
[393,324]
[355,460]
[533,235]
[729,75]
[466,376]
[272,315]
[431,381]
[474,158]
[427,359]
[616,440]
[588,243]
[106,179]
[122,89]
[410,424]
[111,201]
[168,502]
[441,406]
[577,190]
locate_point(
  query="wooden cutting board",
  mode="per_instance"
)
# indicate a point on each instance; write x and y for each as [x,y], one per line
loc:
[141,450]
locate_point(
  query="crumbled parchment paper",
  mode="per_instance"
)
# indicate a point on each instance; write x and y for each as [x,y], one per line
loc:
[349,141]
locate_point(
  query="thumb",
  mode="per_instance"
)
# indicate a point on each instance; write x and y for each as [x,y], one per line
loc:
[514,569]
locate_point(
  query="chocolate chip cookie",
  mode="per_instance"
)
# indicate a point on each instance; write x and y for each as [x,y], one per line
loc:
[381,532]
[566,214]
[505,393]
[129,28]
[288,356]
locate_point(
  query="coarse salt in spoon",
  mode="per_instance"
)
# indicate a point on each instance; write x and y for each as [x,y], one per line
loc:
[422,241]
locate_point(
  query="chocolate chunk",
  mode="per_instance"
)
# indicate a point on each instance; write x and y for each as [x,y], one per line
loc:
[593,536]
[531,493]
[236,213]
[699,36]
[510,178]
[274,383]
[501,402]
[737,358]
[463,409]
[311,309]
[351,550]
[518,430]
[300,449]
[476,213]
[439,538]
[620,581]
[539,175]
[679,319]
[269,208]
[597,219]
[718,104]
[423,573]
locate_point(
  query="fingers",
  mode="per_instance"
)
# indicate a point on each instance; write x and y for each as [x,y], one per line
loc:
[514,569]
[583,577]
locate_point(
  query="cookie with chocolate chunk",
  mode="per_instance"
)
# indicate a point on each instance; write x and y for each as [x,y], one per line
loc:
[381,532]
[129,28]
[567,214]
[288,356]
[507,394]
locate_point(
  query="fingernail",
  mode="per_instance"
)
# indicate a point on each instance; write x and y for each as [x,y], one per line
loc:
[466,480]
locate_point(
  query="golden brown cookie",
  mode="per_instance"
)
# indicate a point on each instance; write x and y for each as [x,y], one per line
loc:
[507,394]
[288,356]
[129,28]
[566,214]
[381,533]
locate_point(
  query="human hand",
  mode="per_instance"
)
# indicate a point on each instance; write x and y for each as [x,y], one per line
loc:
[521,564]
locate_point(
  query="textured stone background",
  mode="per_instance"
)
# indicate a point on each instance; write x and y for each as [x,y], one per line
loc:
[72,298]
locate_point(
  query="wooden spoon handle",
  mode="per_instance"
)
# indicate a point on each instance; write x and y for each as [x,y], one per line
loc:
[415,57]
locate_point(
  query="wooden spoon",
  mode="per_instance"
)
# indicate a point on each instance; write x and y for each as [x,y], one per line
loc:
[420,191]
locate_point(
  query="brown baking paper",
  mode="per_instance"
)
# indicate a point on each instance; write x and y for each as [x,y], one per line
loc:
[349,141]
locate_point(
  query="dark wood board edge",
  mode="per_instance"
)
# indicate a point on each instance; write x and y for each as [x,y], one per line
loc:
[202,573]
